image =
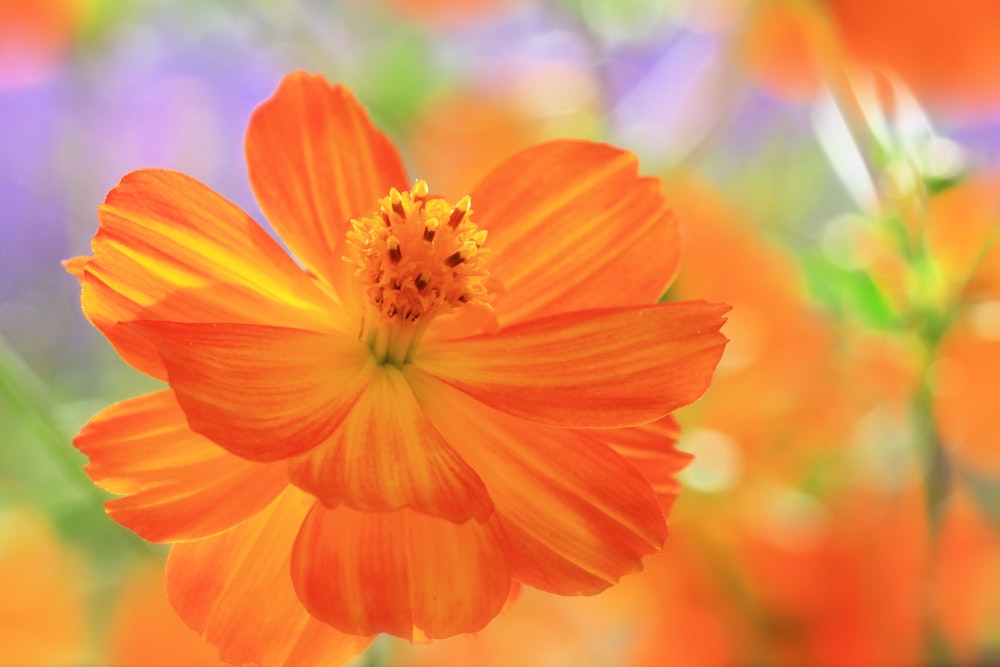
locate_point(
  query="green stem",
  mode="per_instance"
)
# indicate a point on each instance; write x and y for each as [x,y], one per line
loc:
[936,464]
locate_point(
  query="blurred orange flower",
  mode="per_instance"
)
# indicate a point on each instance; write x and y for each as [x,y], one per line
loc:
[794,46]
[906,38]
[963,225]
[783,351]
[144,630]
[384,441]
[784,435]
[35,36]
[42,619]
[836,580]
[789,46]
[966,574]
[967,372]
[479,131]
[873,611]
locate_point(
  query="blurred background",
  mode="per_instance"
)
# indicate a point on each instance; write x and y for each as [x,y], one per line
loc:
[834,166]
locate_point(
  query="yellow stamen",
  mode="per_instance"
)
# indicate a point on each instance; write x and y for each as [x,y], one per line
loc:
[430,229]
[392,246]
[412,268]
[397,202]
[459,211]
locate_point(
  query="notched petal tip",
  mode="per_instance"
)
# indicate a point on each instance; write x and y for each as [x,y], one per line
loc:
[651,448]
[175,485]
[371,572]
[605,368]
[75,265]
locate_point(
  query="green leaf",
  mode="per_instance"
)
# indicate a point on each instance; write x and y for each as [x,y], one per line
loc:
[397,84]
[849,293]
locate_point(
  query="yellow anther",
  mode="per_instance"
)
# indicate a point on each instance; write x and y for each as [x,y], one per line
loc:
[397,202]
[430,229]
[459,211]
[392,246]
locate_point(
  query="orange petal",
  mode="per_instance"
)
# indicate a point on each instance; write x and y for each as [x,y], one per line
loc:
[576,514]
[599,368]
[650,448]
[177,484]
[370,572]
[171,249]
[386,455]
[236,591]
[263,393]
[315,161]
[566,216]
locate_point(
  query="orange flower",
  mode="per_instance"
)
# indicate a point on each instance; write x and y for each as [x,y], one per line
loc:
[384,441]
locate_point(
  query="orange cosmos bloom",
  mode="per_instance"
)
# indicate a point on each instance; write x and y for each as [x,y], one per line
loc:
[384,441]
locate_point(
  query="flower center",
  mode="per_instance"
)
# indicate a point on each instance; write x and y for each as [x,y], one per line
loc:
[416,257]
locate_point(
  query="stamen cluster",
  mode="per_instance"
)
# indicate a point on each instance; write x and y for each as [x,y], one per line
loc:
[419,255]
